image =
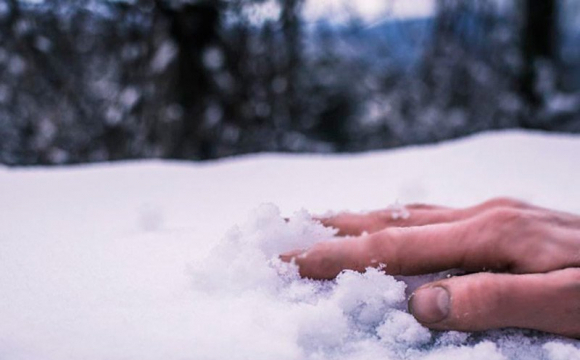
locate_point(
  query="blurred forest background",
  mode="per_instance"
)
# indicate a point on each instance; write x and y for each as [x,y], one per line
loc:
[96,80]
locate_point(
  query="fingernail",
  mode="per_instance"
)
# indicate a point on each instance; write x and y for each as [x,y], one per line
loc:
[430,305]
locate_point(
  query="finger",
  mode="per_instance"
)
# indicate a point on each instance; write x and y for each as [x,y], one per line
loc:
[547,302]
[502,239]
[497,202]
[404,251]
[327,259]
[468,244]
[352,224]
[411,215]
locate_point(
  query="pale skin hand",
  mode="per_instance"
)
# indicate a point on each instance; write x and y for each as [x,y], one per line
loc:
[533,253]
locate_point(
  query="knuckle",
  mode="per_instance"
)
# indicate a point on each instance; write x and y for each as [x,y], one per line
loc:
[565,283]
[382,247]
[320,262]
[500,215]
[515,237]
[381,217]
[375,243]
[571,277]
[508,216]
[488,287]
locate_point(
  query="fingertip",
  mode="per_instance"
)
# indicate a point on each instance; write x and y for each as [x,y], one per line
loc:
[292,255]
[482,301]
[430,304]
[323,220]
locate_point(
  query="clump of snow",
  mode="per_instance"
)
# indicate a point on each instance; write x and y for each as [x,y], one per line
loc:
[560,351]
[402,328]
[329,319]
[247,258]
[483,351]
[398,211]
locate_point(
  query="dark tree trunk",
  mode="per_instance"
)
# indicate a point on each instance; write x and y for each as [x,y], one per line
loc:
[539,42]
[290,19]
[193,28]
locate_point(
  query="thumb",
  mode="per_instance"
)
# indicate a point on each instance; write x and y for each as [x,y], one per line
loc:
[483,301]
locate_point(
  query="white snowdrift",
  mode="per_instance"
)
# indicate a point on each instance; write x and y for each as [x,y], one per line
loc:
[135,260]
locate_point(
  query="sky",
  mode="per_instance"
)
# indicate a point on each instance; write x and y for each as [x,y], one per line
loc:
[370,11]
[342,11]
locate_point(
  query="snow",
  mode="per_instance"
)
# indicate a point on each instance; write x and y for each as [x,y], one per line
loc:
[176,260]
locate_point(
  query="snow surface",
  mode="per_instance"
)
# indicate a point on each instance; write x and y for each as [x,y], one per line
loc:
[135,260]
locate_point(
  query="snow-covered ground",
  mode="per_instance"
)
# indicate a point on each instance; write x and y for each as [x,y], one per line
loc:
[135,260]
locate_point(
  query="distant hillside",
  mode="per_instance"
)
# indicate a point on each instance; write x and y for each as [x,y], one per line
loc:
[396,41]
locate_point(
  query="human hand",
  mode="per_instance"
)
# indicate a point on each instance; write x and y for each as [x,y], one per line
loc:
[534,253]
